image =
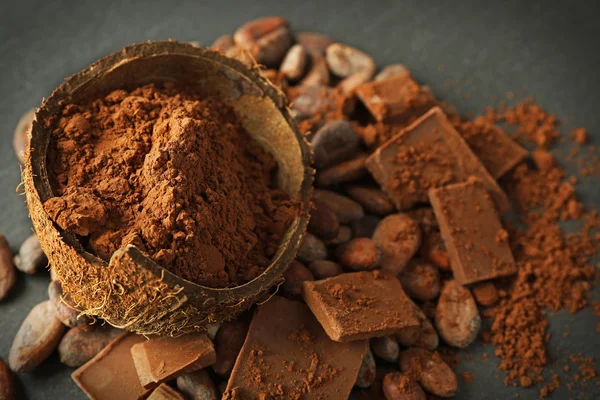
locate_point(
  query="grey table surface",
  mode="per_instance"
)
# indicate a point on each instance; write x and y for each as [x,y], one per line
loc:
[546,49]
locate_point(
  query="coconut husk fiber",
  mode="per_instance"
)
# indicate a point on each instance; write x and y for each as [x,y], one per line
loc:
[131,291]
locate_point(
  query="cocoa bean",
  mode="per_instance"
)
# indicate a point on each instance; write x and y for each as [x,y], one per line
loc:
[314,42]
[346,209]
[333,143]
[347,62]
[20,134]
[7,384]
[228,343]
[272,47]
[36,339]
[323,223]
[343,236]
[294,276]
[434,250]
[82,343]
[359,254]
[432,373]
[221,388]
[456,317]
[65,309]
[322,269]
[294,63]
[399,386]
[420,280]
[313,100]
[267,39]
[223,43]
[241,54]
[391,71]
[365,226]
[485,294]
[346,171]
[318,72]
[197,385]
[311,249]
[31,257]
[386,348]
[425,336]
[249,32]
[367,372]
[371,199]
[399,237]
[8,275]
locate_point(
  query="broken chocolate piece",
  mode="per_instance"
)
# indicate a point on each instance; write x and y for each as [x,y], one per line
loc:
[498,152]
[360,305]
[396,98]
[473,234]
[161,359]
[428,154]
[288,355]
[165,392]
[111,373]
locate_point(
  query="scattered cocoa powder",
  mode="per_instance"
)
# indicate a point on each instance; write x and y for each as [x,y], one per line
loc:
[173,173]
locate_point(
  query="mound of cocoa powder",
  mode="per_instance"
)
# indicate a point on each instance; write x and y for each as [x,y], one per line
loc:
[172,173]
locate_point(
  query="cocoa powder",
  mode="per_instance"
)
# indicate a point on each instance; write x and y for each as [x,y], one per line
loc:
[172,173]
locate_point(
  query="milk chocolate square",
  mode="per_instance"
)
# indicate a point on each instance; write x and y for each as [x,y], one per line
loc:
[111,373]
[473,234]
[428,154]
[360,305]
[163,358]
[396,98]
[498,152]
[287,355]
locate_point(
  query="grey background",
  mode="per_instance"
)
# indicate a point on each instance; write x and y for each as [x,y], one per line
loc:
[467,51]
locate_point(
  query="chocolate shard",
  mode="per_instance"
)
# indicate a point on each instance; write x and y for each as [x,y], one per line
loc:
[498,152]
[111,373]
[428,154]
[476,241]
[360,305]
[397,98]
[164,358]
[165,392]
[288,355]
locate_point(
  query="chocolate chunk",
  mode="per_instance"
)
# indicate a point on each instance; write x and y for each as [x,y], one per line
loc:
[288,355]
[396,98]
[360,305]
[162,359]
[112,374]
[428,154]
[498,152]
[470,226]
[165,392]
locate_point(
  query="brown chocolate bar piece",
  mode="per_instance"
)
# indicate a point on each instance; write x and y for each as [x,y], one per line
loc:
[395,99]
[428,154]
[111,373]
[287,355]
[165,392]
[498,152]
[360,305]
[160,359]
[473,234]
